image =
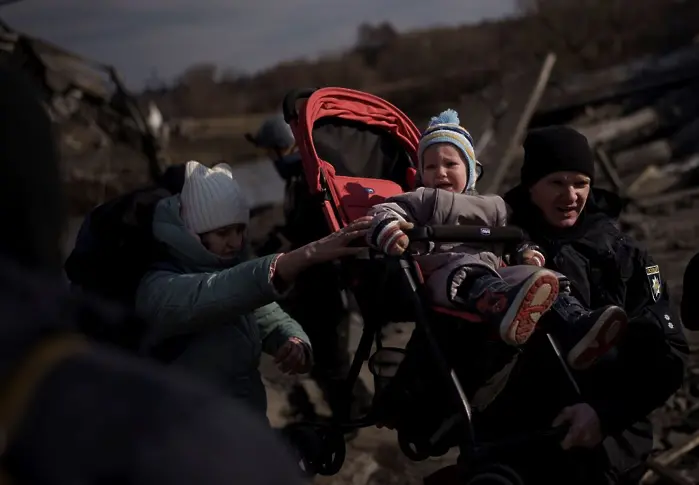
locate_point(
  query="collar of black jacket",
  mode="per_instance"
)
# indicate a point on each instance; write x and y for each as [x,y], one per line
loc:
[601,205]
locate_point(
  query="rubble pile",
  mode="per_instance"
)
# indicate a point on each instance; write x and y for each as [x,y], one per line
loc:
[643,121]
[107,143]
[641,118]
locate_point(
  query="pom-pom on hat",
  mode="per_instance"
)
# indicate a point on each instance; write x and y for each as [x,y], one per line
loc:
[446,128]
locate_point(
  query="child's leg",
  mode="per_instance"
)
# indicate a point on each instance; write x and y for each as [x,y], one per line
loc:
[586,335]
[514,300]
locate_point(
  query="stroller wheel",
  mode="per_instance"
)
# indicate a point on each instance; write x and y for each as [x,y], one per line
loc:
[413,449]
[333,454]
[490,479]
[307,447]
[502,471]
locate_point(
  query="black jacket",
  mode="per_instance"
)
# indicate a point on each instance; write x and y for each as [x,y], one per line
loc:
[605,267]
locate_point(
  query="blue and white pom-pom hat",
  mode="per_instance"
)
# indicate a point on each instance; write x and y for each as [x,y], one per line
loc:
[446,128]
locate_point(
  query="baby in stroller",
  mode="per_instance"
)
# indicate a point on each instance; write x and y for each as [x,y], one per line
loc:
[471,281]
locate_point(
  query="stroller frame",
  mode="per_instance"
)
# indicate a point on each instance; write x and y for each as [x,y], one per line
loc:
[321,445]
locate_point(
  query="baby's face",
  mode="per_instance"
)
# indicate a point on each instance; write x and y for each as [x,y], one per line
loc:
[444,167]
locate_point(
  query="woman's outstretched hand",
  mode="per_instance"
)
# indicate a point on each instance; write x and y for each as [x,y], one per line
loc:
[336,245]
[329,248]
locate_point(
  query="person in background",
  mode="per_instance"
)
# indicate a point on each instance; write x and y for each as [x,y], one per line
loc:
[316,301]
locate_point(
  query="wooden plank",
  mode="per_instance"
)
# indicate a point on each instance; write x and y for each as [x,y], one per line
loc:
[647,203]
[683,142]
[484,141]
[671,455]
[609,130]
[655,180]
[659,463]
[634,159]
[524,119]
[652,181]
[668,474]
[610,171]
[671,110]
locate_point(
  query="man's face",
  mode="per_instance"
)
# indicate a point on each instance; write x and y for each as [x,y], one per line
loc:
[561,197]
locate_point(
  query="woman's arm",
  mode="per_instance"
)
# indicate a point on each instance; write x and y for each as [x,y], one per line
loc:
[277,327]
[289,265]
[175,304]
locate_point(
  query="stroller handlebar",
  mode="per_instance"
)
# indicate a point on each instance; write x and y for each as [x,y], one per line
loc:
[452,233]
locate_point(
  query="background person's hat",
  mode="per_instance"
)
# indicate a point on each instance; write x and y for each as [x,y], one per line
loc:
[273,133]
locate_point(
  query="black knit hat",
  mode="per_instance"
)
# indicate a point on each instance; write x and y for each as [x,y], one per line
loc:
[555,149]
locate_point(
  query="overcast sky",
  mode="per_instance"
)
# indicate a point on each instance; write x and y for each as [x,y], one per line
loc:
[141,37]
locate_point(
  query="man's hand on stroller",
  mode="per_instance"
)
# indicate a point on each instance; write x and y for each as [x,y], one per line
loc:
[585,429]
[533,258]
[386,235]
[530,254]
[294,357]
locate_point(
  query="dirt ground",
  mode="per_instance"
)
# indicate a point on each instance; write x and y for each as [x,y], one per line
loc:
[373,457]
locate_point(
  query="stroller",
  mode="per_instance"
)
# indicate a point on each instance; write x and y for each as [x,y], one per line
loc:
[357,150]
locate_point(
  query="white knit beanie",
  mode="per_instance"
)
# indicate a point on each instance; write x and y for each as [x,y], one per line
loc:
[211,198]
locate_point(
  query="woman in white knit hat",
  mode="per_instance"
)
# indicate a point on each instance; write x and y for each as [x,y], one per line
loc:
[213,308]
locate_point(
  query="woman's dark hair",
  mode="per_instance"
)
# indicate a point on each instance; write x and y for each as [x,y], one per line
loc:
[172,178]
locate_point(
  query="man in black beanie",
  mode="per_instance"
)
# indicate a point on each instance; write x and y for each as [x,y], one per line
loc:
[556,149]
[73,412]
[575,227]
[560,159]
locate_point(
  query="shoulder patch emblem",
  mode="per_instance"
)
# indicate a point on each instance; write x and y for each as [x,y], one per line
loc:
[654,281]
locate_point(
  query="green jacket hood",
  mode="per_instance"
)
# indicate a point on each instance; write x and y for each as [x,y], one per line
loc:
[182,245]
